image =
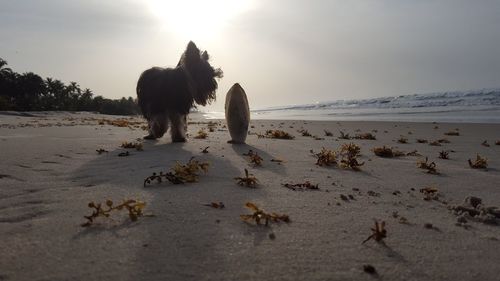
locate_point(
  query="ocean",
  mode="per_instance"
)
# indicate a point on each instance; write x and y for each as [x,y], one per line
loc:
[480,106]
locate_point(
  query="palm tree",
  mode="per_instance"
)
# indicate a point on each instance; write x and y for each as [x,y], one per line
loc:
[4,69]
[56,95]
[7,86]
[85,101]
[29,89]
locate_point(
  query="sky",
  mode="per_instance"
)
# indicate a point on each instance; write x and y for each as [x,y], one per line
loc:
[282,52]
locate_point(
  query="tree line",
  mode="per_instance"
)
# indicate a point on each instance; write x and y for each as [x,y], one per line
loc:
[30,92]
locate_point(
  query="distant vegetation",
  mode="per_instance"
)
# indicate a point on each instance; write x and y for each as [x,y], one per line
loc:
[29,92]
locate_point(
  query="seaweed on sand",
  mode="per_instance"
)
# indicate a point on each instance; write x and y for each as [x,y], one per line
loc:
[180,173]
[134,208]
[259,215]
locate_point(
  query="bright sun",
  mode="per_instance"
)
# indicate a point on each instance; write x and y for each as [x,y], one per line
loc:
[195,19]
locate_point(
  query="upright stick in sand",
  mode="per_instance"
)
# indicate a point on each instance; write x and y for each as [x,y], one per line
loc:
[237,114]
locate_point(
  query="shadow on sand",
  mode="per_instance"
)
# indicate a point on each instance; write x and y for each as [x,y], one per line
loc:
[183,232]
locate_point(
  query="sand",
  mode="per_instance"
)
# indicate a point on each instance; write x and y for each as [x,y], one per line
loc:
[50,171]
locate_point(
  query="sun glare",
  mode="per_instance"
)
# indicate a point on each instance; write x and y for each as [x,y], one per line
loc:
[195,19]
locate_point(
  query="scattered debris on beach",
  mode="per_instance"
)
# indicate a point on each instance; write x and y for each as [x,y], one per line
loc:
[435,143]
[402,139]
[301,186]
[413,153]
[401,219]
[180,173]
[479,163]
[369,269]
[201,134]
[254,158]
[430,167]
[473,209]
[276,134]
[326,157]
[365,136]
[329,134]
[443,140]
[452,133]
[249,180]
[350,153]
[373,193]
[378,232]
[259,215]
[124,154]
[101,150]
[216,205]
[430,193]
[211,126]
[443,154]
[137,145]
[304,132]
[130,123]
[387,152]
[344,136]
[205,150]
[134,208]
[428,225]
[485,143]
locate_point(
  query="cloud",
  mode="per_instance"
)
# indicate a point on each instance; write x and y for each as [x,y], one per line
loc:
[282,52]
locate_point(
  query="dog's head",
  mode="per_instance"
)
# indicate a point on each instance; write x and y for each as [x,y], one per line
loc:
[203,74]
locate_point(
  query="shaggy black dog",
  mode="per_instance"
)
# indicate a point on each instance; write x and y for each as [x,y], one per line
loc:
[166,95]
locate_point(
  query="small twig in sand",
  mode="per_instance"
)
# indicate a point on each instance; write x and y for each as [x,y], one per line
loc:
[249,180]
[215,205]
[344,136]
[430,167]
[133,207]
[259,215]
[378,232]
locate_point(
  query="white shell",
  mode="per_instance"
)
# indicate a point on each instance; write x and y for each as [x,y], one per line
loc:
[237,114]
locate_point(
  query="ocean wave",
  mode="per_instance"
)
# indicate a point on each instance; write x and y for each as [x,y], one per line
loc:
[485,97]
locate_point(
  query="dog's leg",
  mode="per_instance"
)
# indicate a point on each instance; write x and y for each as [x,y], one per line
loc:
[179,127]
[158,125]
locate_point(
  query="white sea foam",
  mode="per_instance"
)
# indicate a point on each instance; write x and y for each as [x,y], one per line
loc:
[470,106]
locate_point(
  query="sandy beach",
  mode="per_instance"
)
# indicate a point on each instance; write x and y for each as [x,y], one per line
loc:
[50,171]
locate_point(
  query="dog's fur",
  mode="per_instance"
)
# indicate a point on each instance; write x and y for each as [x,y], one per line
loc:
[166,95]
